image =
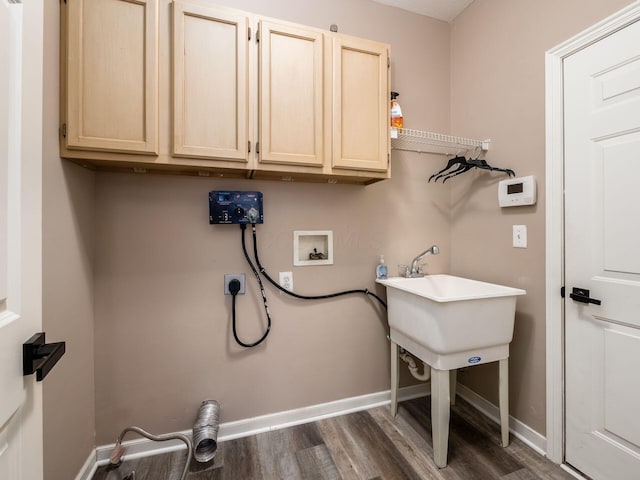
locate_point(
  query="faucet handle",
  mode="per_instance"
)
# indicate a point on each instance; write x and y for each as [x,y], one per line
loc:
[405,271]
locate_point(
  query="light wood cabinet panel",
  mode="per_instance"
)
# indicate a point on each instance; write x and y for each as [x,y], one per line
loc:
[186,87]
[291,95]
[360,104]
[112,75]
[210,82]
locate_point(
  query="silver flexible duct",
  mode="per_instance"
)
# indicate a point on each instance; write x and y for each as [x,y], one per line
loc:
[205,431]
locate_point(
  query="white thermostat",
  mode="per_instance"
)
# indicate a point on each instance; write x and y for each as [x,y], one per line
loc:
[517,191]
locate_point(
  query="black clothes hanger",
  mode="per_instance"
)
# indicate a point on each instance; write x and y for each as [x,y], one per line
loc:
[461,165]
[457,172]
[457,160]
[484,165]
[464,165]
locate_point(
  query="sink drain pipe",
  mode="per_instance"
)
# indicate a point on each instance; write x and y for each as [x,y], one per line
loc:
[413,368]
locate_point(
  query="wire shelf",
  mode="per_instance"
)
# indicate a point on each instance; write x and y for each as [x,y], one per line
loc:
[418,141]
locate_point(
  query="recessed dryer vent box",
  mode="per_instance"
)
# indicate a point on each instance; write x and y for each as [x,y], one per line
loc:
[312,247]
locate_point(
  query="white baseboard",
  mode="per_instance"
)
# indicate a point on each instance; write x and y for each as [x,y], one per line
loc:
[264,423]
[89,468]
[518,429]
[242,428]
[572,472]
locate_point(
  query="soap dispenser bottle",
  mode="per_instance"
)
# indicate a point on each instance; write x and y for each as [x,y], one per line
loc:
[381,269]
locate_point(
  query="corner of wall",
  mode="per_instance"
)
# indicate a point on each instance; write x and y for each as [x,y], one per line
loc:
[67,290]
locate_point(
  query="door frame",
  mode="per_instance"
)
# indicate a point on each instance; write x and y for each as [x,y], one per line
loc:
[554,213]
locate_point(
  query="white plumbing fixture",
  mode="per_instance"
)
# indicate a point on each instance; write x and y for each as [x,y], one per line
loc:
[450,322]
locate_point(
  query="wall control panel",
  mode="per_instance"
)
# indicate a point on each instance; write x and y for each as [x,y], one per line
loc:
[233,207]
[515,192]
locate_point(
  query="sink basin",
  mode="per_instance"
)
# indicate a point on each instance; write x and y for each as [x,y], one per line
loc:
[451,322]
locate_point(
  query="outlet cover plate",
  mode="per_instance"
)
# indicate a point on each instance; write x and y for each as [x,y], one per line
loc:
[286,280]
[230,276]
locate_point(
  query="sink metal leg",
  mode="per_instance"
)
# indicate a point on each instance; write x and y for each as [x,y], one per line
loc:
[504,400]
[440,412]
[395,378]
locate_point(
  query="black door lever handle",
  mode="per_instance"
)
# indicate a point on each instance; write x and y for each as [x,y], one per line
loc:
[582,295]
[39,357]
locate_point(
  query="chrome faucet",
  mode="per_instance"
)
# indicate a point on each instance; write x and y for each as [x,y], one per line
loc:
[416,270]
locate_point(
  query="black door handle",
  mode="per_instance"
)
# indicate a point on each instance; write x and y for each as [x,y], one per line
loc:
[582,295]
[39,357]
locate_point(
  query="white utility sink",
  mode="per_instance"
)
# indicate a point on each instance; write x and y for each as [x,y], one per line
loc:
[450,322]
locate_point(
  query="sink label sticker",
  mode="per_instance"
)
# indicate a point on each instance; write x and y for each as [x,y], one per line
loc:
[474,359]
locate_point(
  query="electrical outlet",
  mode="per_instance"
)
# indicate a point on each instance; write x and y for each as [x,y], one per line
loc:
[286,280]
[520,236]
[228,277]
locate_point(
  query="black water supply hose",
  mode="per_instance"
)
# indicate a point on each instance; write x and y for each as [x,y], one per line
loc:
[297,295]
[234,288]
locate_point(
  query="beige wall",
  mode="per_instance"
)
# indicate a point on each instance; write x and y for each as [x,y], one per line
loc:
[162,324]
[142,255]
[497,92]
[68,210]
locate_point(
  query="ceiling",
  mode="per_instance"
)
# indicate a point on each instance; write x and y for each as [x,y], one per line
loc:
[445,10]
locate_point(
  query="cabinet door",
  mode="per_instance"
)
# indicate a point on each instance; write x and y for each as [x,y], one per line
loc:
[112,75]
[360,104]
[291,95]
[210,84]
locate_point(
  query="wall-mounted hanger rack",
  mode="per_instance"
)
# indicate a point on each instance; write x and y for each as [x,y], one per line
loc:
[408,140]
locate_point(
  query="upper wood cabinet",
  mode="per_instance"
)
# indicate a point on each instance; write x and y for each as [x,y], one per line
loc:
[291,93]
[324,101]
[111,87]
[184,86]
[360,104]
[210,82]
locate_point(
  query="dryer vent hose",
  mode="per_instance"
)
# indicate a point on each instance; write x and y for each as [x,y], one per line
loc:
[205,431]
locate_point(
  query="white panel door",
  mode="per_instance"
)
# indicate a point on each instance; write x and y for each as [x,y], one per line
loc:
[602,255]
[20,234]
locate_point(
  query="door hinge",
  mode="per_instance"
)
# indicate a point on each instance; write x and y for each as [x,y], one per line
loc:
[63,130]
[249,142]
[388,62]
[257,147]
[257,35]
[562,291]
[249,34]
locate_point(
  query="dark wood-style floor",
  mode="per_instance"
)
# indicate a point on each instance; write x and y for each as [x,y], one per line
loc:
[367,445]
